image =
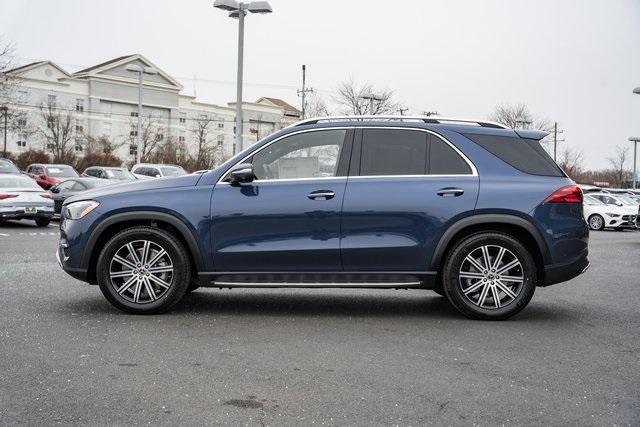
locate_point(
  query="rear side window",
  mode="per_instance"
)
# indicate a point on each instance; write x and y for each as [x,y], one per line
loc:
[526,155]
[443,160]
[393,152]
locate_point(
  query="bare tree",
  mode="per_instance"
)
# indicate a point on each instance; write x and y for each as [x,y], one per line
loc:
[152,135]
[8,81]
[519,116]
[352,97]
[316,106]
[204,154]
[57,127]
[619,174]
[570,160]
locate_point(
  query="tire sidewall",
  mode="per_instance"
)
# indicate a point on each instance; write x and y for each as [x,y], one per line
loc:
[452,270]
[601,222]
[178,257]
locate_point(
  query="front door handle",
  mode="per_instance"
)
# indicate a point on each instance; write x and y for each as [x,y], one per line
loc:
[321,195]
[450,192]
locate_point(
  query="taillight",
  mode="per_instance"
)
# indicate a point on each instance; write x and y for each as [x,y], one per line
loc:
[570,194]
[7,196]
[47,196]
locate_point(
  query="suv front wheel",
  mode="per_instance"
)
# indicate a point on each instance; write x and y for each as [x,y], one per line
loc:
[489,276]
[143,270]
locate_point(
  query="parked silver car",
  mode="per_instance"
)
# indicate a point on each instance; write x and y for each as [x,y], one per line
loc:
[22,198]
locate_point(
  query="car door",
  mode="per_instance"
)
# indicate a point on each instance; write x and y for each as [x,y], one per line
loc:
[288,218]
[404,186]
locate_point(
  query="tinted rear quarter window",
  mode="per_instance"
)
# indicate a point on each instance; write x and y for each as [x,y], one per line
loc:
[526,155]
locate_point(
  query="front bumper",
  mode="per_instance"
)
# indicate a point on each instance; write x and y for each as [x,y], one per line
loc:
[76,273]
[557,273]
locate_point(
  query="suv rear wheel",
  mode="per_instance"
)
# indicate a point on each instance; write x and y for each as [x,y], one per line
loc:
[143,270]
[489,276]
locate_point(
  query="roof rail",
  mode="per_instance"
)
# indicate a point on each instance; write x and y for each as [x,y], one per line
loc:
[423,119]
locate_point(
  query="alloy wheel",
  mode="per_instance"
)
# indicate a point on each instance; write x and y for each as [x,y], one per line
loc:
[141,271]
[491,277]
[595,222]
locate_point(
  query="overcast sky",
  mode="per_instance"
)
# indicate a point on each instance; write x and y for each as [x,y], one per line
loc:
[571,61]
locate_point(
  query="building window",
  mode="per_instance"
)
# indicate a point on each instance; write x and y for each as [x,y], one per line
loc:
[133,131]
[51,100]
[220,125]
[51,122]
[181,137]
[50,146]
[22,141]
[159,137]
[134,114]
[80,105]
[183,118]
[220,140]
[79,126]
[78,147]
[133,149]
[22,120]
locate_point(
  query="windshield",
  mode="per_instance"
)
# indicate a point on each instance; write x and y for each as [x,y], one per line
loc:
[592,201]
[61,171]
[172,171]
[18,182]
[8,167]
[122,174]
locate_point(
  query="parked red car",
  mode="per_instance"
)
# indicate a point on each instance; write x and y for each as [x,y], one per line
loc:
[47,175]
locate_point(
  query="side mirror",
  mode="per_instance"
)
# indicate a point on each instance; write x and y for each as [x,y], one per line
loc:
[242,174]
[54,189]
[619,204]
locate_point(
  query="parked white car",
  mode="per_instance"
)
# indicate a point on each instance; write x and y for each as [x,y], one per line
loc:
[22,198]
[603,210]
[150,170]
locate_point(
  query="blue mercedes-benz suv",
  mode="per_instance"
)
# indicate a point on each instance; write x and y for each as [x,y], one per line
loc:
[469,209]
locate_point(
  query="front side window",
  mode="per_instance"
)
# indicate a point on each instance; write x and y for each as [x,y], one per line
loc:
[304,155]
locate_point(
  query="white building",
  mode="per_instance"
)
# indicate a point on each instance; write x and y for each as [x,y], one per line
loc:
[103,100]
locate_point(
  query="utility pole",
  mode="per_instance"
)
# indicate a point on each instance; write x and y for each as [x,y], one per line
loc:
[556,140]
[303,92]
[635,140]
[5,113]
[371,97]
[402,110]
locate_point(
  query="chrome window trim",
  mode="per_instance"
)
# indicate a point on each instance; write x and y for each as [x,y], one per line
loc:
[474,171]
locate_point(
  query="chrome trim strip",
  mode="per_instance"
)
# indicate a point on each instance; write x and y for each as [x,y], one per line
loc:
[315,285]
[474,171]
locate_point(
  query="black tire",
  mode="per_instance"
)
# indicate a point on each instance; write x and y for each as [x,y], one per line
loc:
[523,290]
[596,222]
[42,222]
[178,278]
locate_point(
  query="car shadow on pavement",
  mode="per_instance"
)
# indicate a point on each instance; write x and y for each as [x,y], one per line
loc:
[427,305]
[24,224]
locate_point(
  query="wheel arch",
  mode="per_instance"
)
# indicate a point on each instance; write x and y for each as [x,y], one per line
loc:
[512,225]
[116,223]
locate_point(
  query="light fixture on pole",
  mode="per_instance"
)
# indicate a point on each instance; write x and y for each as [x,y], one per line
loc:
[134,68]
[239,10]
[637,90]
[635,141]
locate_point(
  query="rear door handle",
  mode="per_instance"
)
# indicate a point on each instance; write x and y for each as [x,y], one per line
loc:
[450,192]
[321,195]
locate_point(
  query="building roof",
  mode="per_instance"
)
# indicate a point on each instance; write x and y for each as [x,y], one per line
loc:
[102,64]
[22,67]
[289,109]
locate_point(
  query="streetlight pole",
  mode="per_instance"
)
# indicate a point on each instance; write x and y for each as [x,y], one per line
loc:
[140,70]
[635,140]
[239,10]
[5,113]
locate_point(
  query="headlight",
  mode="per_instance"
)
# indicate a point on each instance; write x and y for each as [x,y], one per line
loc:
[77,210]
[612,215]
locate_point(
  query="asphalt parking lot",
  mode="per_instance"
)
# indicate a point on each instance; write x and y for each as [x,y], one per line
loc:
[283,357]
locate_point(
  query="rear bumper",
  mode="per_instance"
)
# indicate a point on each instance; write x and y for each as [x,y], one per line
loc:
[557,273]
